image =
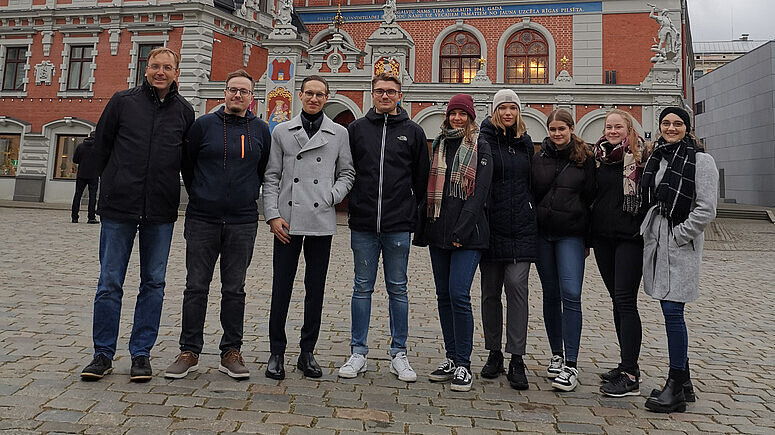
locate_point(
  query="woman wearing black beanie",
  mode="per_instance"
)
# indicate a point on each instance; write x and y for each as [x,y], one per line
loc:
[679,190]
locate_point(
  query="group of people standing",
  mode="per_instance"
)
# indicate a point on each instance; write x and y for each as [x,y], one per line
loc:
[477,197]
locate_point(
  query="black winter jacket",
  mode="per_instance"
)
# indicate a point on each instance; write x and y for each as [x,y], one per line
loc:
[510,207]
[390,155]
[223,177]
[139,142]
[84,156]
[563,205]
[461,221]
[608,216]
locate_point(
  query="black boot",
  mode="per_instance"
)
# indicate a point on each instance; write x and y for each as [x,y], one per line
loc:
[516,375]
[688,388]
[671,397]
[494,365]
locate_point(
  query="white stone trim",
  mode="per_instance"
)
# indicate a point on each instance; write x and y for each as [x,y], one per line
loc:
[64,67]
[348,103]
[522,25]
[596,114]
[4,44]
[537,115]
[330,31]
[137,41]
[63,126]
[458,26]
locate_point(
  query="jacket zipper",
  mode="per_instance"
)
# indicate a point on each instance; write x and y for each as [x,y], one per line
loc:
[381,174]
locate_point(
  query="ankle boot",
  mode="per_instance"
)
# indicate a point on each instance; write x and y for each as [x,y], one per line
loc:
[494,365]
[688,388]
[671,397]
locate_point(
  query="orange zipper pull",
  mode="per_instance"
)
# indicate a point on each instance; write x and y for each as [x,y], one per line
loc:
[242,138]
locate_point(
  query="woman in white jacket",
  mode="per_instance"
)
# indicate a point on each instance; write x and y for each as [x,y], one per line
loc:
[679,190]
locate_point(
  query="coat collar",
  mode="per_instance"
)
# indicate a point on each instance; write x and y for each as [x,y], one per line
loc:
[318,140]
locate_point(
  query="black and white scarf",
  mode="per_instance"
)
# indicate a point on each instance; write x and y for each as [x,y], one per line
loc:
[675,191]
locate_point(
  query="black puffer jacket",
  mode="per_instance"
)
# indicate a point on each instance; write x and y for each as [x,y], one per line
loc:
[85,157]
[510,209]
[139,142]
[608,216]
[390,156]
[563,205]
[461,221]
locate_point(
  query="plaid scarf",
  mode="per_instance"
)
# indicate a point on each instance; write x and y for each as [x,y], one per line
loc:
[675,191]
[462,176]
[608,154]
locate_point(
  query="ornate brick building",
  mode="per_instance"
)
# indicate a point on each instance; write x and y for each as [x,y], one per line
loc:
[61,60]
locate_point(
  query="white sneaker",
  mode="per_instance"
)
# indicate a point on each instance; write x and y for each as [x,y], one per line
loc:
[567,380]
[356,364]
[555,366]
[400,366]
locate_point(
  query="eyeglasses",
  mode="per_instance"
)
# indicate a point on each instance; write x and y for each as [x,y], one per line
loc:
[318,95]
[380,92]
[242,92]
[156,67]
[676,124]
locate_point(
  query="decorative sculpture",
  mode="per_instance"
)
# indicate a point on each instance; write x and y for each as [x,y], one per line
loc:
[669,42]
[284,12]
[389,15]
[44,72]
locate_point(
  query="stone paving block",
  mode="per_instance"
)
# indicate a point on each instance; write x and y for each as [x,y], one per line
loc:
[110,406]
[446,420]
[289,419]
[18,426]
[60,427]
[362,414]
[243,416]
[147,398]
[103,419]
[298,430]
[579,428]
[538,416]
[269,406]
[199,426]
[220,402]
[150,410]
[383,427]
[714,427]
[197,413]
[60,415]
[429,429]
[339,423]
[529,426]
[489,423]
[312,410]
[260,428]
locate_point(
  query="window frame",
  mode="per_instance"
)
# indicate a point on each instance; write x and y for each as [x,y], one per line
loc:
[141,62]
[81,62]
[4,171]
[64,73]
[5,44]
[532,61]
[18,76]
[464,62]
[63,160]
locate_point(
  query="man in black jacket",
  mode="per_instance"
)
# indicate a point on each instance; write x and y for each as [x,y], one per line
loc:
[224,157]
[87,176]
[390,154]
[138,151]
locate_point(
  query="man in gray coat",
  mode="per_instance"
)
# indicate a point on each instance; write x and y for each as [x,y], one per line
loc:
[310,170]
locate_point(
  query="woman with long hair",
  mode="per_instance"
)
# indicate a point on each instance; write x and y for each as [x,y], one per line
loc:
[564,188]
[506,264]
[455,228]
[616,217]
[679,189]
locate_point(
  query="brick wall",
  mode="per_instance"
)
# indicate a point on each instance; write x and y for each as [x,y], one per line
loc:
[627,40]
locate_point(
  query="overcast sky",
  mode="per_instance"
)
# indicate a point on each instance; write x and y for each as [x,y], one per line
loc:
[724,20]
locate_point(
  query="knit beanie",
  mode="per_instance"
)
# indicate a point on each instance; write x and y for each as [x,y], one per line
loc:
[463,102]
[505,96]
[683,114]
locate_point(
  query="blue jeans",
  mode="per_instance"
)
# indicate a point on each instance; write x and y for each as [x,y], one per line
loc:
[453,272]
[366,248]
[561,269]
[677,337]
[116,241]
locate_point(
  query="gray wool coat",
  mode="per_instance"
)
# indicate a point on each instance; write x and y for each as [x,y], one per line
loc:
[306,177]
[672,255]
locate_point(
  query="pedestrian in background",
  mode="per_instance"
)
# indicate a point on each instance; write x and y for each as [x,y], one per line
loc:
[87,175]
[456,231]
[505,265]
[564,188]
[616,217]
[679,189]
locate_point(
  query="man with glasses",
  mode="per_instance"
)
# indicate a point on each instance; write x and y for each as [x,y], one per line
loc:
[309,171]
[224,158]
[390,155]
[138,150]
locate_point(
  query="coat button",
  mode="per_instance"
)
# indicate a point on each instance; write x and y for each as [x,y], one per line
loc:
[295,180]
[316,204]
[298,157]
[290,203]
[319,159]
[315,181]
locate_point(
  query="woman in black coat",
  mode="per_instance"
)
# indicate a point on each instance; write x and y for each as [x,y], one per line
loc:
[457,232]
[513,230]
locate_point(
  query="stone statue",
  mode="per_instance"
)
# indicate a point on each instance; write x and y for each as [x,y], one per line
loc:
[669,42]
[284,13]
[389,15]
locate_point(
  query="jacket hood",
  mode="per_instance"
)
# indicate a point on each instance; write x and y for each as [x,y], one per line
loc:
[550,149]
[373,116]
[498,138]
[221,113]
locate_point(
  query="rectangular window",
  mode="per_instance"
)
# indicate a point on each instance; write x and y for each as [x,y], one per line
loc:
[699,107]
[80,68]
[142,61]
[15,60]
[610,77]
[65,169]
[9,154]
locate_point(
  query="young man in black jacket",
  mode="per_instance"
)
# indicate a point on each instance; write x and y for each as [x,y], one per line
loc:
[224,157]
[390,154]
[87,176]
[139,140]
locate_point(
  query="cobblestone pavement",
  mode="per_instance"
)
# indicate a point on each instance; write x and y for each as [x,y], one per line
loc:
[49,272]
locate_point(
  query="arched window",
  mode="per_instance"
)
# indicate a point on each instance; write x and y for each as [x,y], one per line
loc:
[459,57]
[527,58]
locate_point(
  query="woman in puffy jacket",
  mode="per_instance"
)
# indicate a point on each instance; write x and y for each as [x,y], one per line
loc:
[564,188]
[616,217]
[679,190]
[455,228]
[513,229]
